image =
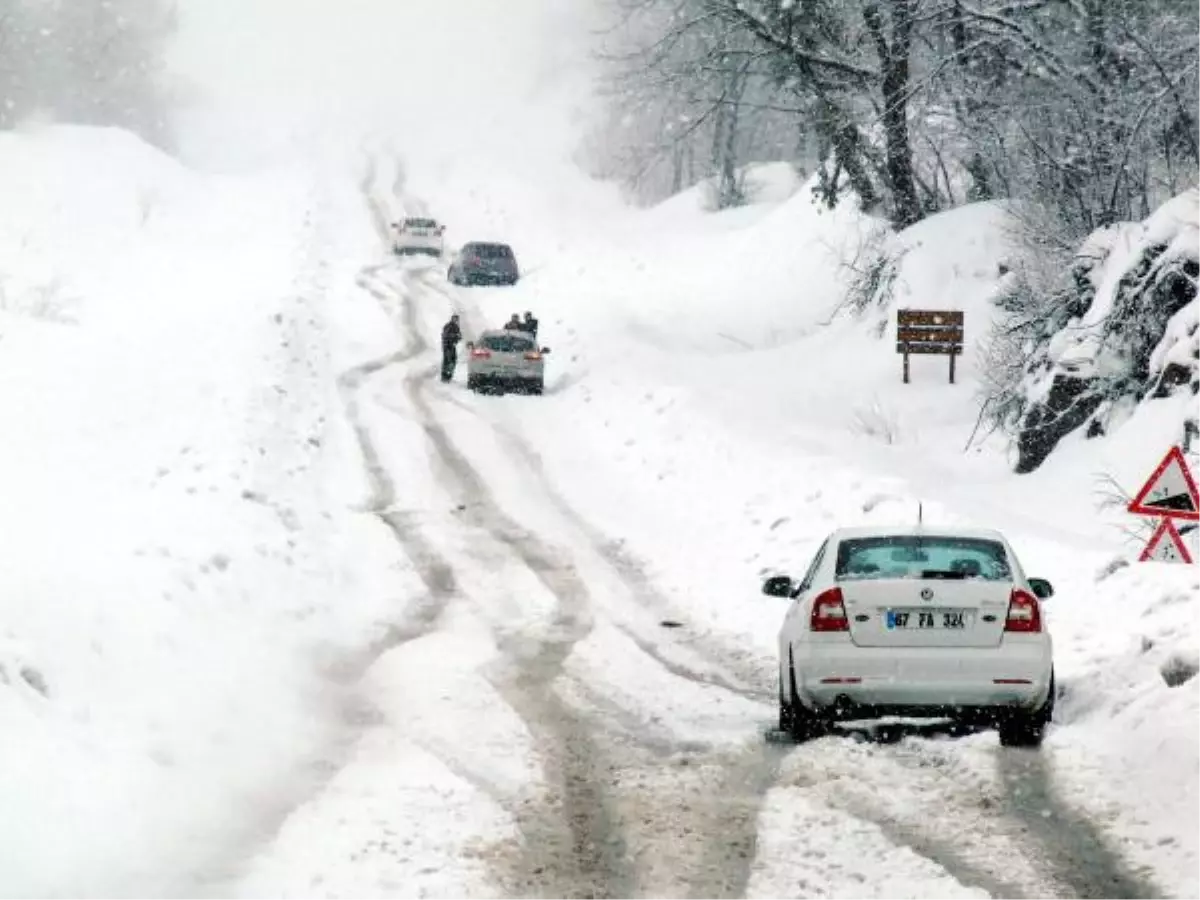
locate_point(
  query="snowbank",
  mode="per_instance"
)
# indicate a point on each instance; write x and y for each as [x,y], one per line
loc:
[178,565]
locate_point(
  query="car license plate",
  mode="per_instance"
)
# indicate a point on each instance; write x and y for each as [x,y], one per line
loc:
[919,619]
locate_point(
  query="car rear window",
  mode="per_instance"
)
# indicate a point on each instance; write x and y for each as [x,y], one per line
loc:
[508,343]
[493,251]
[921,556]
[420,223]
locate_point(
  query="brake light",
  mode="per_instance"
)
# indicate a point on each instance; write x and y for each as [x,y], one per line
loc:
[1024,613]
[480,353]
[533,354]
[829,612]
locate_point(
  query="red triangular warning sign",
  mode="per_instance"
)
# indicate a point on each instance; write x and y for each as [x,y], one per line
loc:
[1170,491]
[1166,545]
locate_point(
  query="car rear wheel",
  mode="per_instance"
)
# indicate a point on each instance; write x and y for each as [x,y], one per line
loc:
[472,383]
[786,713]
[803,724]
[537,387]
[1027,729]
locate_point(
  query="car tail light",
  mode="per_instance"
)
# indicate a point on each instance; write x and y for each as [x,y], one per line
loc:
[1024,613]
[533,354]
[829,612]
[480,353]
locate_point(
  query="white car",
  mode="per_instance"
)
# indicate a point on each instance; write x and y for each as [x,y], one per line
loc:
[419,235]
[915,622]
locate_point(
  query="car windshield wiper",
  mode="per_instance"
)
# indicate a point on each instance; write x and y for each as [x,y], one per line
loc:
[943,574]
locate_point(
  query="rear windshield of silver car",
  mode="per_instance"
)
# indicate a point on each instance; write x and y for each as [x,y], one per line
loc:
[921,556]
[420,223]
[508,343]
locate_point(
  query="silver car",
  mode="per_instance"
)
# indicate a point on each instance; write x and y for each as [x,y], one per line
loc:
[506,359]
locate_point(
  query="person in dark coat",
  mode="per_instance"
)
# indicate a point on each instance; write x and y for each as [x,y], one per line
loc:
[514,324]
[530,324]
[451,335]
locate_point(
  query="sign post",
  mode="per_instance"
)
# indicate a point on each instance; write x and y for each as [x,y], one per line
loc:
[925,331]
[1169,494]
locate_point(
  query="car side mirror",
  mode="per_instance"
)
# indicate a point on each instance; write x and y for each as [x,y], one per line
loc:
[1042,589]
[545,350]
[470,345]
[778,586]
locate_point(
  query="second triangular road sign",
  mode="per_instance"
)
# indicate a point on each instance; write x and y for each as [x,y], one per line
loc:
[1170,491]
[1166,545]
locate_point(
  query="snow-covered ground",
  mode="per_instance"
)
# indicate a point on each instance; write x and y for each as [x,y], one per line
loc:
[282,615]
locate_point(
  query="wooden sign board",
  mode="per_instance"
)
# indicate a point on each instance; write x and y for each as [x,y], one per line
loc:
[926,349]
[929,331]
[918,317]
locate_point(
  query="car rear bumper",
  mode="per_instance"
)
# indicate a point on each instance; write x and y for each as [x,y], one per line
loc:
[505,380]
[431,247]
[490,277]
[847,681]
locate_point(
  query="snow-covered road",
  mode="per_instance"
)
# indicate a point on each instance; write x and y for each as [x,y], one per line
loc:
[548,720]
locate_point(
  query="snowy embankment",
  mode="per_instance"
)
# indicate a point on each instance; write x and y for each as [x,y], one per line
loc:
[705,403]
[181,571]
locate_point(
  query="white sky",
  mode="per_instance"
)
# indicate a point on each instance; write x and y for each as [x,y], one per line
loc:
[265,75]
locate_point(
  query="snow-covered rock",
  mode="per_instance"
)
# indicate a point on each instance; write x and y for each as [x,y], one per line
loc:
[1127,337]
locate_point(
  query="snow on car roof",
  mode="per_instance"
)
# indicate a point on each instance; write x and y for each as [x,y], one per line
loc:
[914,530]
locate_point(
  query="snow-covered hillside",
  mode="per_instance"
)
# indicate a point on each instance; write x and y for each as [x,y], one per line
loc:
[180,566]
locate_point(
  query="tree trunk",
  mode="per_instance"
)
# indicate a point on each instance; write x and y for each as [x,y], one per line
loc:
[730,194]
[893,62]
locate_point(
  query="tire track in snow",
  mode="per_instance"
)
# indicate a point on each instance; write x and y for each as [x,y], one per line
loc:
[588,858]
[704,839]
[1002,830]
[747,674]
[433,570]
[1075,848]
[570,846]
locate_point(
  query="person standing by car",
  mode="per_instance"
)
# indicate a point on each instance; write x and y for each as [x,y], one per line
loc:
[514,324]
[451,335]
[530,325]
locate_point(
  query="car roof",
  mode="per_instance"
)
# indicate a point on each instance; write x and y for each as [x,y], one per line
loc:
[505,332]
[962,531]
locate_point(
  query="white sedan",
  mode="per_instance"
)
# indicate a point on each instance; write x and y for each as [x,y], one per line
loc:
[916,622]
[419,235]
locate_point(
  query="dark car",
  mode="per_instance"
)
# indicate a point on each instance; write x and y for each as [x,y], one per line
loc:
[484,263]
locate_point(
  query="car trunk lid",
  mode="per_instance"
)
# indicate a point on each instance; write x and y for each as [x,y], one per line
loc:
[926,612]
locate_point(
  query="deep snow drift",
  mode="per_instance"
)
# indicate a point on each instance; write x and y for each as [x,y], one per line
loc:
[181,568]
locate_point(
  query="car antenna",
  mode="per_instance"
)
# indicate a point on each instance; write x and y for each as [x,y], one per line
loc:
[919,512]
